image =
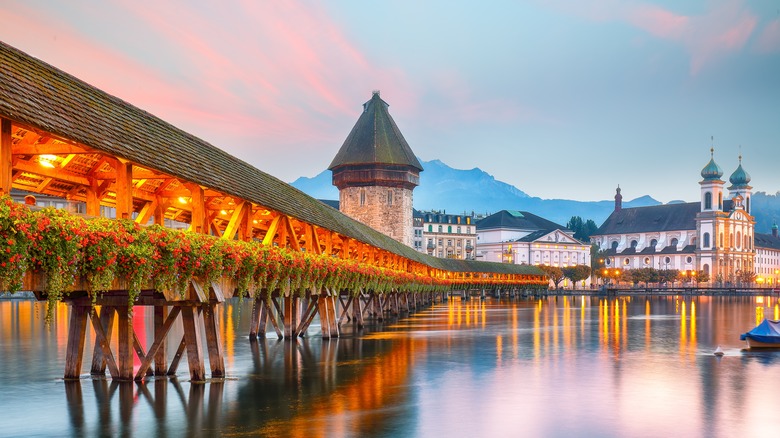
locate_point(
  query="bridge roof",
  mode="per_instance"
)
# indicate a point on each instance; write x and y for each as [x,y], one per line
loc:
[47,99]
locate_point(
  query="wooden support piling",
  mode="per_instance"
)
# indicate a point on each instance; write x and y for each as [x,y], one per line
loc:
[125,351]
[213,340]
[191,319]
[77,331]
[103,343]
[106,323]
[160,361]
[333,326]
[254,320]
[177,357]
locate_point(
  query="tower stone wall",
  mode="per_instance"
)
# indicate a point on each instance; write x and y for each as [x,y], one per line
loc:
[386,209]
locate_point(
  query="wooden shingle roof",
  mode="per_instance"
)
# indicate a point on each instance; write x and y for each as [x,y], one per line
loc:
[375,139]
[43,97]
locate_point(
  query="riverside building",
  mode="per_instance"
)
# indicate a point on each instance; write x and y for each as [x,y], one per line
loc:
[715,235]
[449,236]
[523,238]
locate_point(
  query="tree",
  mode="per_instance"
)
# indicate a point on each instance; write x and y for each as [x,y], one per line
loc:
[667,275]
[746,277]
[576,273]
[583,229]
[554,273]
[701,277]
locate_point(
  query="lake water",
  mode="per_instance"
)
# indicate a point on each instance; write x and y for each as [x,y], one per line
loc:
[557,366]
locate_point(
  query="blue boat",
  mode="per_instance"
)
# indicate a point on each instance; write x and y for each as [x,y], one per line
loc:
[764,335]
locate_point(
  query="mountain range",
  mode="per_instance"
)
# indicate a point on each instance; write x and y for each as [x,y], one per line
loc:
[460,191]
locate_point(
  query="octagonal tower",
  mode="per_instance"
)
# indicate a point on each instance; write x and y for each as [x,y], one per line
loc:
[376,171]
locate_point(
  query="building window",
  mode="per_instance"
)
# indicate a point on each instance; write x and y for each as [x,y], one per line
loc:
[440,228]
[449,242]
[614,245]
[688,259]
[667,260]
[706,240]
[458,230]
[389,197]
[430,228]
[720,240]
[653,243]
[647,260]
[708,201]
[674,242]
[441,242]
[720,201]
[634,243]
[362,198]
[449,229]
[627,261]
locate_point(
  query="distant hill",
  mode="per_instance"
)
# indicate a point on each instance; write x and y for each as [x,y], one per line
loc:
[457,191]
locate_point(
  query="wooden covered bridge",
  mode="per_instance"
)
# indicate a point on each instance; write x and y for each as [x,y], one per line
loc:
[64,138]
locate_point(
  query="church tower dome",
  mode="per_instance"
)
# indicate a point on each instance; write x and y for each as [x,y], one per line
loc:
[712,185]
[711,171]
[739,178]
[740,185]
[376,171]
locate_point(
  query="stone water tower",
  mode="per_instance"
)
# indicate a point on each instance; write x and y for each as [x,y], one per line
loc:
[376,171]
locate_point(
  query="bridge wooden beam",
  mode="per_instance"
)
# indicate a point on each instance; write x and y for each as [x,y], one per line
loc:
[239,212]
[146,212]
[198,208]
[268,239]
[316,240]
[6,167]
[49,149]
[124,190]
[294,243]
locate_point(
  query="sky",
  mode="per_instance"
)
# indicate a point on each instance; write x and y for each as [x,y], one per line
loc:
[561,99]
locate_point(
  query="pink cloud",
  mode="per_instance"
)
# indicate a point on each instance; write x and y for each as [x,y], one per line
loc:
[769,39]
[725,28]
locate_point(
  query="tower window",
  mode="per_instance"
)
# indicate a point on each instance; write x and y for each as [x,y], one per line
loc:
[706,240]
[389,197]
[708,201]
[720,201]
[362,198]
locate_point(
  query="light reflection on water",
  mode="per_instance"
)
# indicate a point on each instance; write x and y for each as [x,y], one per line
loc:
[584,366]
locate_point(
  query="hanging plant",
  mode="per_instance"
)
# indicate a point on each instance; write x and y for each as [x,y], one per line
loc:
[16,225]
[56,251]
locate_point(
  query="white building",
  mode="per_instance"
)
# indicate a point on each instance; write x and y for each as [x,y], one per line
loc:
[449,236]
[523,238]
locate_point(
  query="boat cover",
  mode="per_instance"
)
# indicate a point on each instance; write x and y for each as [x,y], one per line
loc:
[768,331]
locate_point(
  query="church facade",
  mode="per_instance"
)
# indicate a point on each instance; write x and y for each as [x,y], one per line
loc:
[715,235]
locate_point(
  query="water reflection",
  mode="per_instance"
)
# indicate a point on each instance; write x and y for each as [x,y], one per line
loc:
[614,366]
[116,403]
